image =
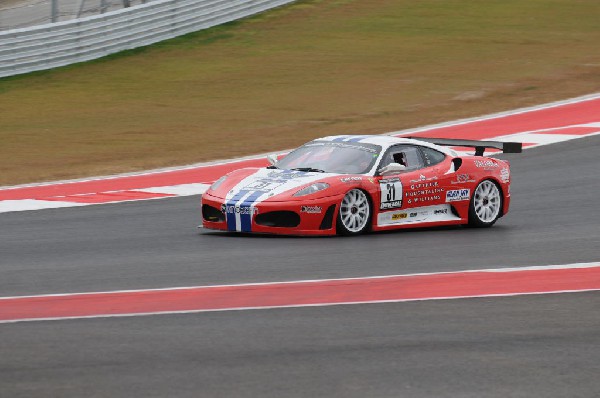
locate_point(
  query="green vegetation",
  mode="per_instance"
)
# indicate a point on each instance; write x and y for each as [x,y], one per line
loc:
[276,80]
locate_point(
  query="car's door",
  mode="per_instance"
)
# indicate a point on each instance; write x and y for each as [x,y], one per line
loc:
[426,186]
[421,184]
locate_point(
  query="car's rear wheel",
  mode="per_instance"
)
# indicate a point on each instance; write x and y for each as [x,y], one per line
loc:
[354,217]
[486,204]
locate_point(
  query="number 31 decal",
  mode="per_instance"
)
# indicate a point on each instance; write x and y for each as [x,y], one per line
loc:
[391,193]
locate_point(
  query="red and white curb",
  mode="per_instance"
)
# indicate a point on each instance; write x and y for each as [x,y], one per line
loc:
[536,126]
[501,282]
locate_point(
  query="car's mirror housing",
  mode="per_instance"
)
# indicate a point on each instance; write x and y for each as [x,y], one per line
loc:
[272,159]
[392,168]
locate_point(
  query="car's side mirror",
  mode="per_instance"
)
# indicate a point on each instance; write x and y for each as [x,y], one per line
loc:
[392,168]
[272,159]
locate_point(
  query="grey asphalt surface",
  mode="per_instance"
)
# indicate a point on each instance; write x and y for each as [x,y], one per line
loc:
[546,346]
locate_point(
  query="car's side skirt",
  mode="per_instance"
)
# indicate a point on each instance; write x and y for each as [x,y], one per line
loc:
[417,215]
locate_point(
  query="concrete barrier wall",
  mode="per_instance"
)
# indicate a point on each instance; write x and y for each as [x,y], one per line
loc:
[52,45]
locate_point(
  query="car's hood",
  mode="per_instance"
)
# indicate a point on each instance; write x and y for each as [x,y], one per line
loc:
[263,184]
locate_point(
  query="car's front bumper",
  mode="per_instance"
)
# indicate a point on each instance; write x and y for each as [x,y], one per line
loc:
[306,217]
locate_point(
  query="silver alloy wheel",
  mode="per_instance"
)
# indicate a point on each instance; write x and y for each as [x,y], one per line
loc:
[487,201]
[355,211]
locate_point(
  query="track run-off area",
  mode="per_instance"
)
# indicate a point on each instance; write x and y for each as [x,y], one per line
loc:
[512,310]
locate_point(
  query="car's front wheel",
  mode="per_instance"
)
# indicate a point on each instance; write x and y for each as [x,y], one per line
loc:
[354,217]
[485,205]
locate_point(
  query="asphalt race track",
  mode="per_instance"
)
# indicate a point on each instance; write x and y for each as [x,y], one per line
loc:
[523,346]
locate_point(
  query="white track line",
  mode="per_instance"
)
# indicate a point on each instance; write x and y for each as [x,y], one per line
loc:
[325,304]
[259,284]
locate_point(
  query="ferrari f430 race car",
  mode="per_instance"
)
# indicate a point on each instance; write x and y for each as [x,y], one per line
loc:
[349,185]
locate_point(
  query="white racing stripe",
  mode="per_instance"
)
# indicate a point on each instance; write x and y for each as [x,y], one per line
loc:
[241,200]
[33,204]
[179,190]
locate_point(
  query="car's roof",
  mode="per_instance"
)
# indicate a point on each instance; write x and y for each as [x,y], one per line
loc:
[385,141]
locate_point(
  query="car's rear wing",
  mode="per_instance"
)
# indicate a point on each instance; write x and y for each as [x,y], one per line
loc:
[480,146]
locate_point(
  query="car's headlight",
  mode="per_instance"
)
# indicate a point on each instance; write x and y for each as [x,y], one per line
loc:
[218,183]
[312,188]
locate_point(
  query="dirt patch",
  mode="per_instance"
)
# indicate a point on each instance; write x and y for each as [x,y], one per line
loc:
[279,79]
[5,4]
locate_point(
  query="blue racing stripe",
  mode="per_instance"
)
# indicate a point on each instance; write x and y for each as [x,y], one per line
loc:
[357,139]
[340,138]
[230,215]
[245,211]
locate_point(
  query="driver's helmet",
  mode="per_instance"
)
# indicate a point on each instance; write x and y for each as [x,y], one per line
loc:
[400,158]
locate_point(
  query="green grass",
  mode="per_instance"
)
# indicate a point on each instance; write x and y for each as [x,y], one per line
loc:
[276,80]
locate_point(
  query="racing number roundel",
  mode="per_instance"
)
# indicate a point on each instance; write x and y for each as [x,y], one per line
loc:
[391,193]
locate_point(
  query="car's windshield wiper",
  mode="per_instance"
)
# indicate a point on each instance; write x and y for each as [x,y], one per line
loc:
[308,169]
[272,167]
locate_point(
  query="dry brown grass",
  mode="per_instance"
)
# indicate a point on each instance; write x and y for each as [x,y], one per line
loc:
[279,79]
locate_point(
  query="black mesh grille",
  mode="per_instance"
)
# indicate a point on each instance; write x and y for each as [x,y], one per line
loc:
[287,219]
[209,213]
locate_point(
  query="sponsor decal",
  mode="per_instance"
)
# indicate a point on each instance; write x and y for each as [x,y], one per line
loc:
[423,178]
[311,209]
[486,164]
[417,215]
[274,180]
[422,199]
[263,185]
[350,179]
[231,209]
[505,175]
[391,205]
[424,192]
[424,185]
[462,179]
[391,193]
[458,195]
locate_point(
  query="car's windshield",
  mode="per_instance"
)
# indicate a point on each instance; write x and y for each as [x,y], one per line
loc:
[332,157]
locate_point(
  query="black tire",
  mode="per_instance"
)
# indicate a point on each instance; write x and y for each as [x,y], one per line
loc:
[355,213]
[486,204]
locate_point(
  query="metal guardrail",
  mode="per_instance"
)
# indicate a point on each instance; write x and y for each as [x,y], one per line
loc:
[15,14]
[63,43]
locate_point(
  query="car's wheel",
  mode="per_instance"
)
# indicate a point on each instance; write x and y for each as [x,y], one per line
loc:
[486,204]
[354,216]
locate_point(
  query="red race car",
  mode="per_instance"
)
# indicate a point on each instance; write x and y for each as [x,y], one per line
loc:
[349,185]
